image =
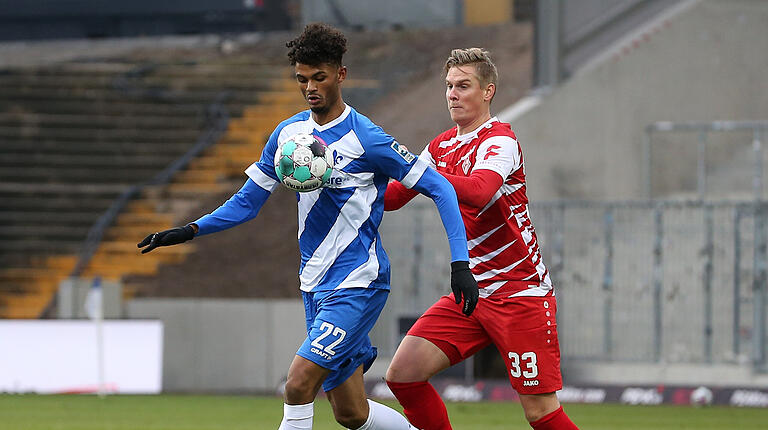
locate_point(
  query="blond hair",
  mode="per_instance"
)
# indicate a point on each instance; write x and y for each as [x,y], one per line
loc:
[480,58]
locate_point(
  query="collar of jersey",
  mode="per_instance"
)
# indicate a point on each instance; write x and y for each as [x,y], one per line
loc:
[466,137]
[340,118]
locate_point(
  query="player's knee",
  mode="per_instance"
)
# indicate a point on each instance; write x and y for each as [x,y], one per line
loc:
[398,373]
[393,374]
[403,373]
[350,418]
[537,407]
[532,414]
[297,392]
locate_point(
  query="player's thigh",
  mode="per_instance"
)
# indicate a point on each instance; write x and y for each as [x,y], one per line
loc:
[416,359]
[524,329]
[304,381]
[447,328]
[338,331]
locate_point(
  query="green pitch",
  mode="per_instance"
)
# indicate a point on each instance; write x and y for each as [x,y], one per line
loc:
[177,412]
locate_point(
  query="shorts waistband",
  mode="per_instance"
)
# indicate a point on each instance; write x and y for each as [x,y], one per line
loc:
[512,287]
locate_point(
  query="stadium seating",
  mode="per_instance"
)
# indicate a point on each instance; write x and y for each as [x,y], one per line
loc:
[74,136]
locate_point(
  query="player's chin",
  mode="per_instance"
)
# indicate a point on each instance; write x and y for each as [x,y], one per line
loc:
[319,109]
[456,115]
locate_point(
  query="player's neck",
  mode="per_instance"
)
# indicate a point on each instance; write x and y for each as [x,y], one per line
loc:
[469,127]
[329,115]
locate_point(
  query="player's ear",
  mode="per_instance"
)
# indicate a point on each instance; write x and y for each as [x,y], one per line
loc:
[342,74]
[490,90]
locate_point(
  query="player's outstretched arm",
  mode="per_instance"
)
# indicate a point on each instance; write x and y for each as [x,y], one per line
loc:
[463,284]
[168,237]
[241,207]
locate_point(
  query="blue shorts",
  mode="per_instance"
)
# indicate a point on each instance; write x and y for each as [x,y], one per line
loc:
[338,322]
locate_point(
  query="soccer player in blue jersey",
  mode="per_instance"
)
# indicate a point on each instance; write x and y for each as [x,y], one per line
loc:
[344,271]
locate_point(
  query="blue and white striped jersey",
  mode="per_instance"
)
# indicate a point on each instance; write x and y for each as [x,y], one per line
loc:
[338,225]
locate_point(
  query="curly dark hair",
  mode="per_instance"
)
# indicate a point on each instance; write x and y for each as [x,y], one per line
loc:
[318,44]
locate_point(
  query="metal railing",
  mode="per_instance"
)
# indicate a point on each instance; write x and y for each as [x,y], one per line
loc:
[649,281]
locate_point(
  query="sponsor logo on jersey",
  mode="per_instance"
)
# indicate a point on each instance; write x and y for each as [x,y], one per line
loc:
[403,151]
[334,181]
[342,179]
[528,383]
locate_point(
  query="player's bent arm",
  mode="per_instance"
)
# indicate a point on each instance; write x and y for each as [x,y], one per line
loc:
[241,207]
[463,284]
[397,195]
[437,188]
[475,190]
[390,158]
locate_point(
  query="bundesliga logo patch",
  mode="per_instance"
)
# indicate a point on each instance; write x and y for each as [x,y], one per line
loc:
[403,152]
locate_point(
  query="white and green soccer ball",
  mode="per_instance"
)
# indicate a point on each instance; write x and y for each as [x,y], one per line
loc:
[303,163]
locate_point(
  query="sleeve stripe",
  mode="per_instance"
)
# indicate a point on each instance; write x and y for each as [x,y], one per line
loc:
[428,156]
[260,178]
[413,176]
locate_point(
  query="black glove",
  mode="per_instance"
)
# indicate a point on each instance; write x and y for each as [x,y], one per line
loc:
[167,237]
[464,284]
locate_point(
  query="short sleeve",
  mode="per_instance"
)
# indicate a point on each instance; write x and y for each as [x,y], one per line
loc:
[500,154]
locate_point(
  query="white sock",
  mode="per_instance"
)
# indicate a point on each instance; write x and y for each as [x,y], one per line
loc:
[297,417]
[381,417]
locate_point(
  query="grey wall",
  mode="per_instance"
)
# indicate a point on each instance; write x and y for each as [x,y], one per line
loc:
[589,26]
[225,345]
[704,61]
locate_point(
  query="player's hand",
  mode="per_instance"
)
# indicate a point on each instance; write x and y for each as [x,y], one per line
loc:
[167,237]
[464,285]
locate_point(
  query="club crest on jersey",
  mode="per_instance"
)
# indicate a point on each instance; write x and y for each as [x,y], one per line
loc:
[403,151]
[465,165]
[337,158]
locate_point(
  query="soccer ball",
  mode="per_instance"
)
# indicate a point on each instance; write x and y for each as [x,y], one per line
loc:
[701,396]
[302,162]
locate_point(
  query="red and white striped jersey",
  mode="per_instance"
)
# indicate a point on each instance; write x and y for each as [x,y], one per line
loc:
[500,236]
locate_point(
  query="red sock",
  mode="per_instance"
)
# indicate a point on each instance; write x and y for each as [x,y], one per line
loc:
[556,420]
[421,404]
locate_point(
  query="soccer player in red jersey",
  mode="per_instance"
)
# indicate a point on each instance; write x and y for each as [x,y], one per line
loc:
[483,161]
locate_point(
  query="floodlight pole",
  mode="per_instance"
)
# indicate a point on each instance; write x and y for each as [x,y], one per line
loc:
[547,43]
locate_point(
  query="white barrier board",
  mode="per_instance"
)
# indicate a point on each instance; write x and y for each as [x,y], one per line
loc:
[60,356]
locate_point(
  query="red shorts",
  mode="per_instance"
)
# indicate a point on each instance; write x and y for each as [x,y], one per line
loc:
[523,329]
